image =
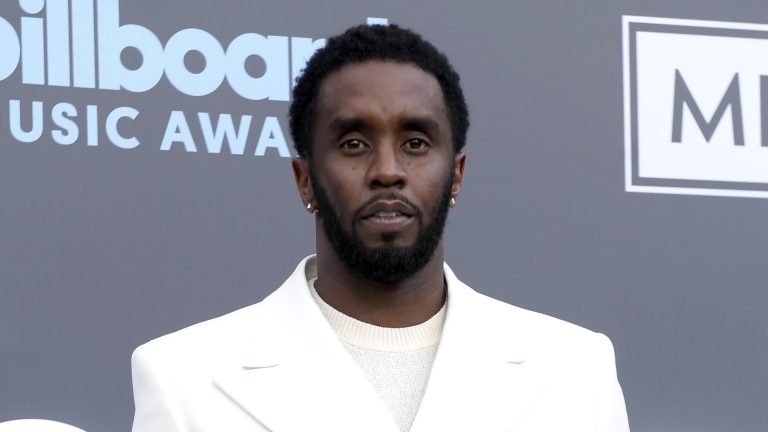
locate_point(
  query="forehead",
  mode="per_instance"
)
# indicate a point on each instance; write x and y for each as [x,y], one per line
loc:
[381,88]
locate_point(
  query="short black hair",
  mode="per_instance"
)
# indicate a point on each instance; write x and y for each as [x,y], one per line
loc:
[374,42]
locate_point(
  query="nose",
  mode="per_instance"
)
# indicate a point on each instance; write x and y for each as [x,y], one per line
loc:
[386,168]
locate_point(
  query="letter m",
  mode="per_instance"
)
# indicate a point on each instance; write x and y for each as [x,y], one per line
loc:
[732,98]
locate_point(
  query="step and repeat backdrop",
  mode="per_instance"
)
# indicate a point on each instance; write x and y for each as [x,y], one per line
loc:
[617,177]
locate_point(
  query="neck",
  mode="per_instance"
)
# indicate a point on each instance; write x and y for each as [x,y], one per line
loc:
[404,304]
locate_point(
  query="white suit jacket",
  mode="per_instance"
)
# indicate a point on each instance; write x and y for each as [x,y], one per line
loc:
[278,366]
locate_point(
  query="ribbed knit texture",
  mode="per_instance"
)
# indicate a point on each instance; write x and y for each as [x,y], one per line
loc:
[397,361]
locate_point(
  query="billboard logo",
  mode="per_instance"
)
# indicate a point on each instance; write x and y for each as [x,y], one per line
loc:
[695,107]
[79,44]
[70,52]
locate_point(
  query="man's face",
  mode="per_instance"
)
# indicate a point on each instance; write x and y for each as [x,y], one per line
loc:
[383,168]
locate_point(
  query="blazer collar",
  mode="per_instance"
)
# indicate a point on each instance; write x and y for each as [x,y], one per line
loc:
[297,376]
[484,377]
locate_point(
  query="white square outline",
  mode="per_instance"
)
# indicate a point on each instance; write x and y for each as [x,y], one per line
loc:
[628,186]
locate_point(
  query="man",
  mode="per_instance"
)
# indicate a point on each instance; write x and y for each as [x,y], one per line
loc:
[375,333]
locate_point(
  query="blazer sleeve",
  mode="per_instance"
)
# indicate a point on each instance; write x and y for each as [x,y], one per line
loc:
[612,411]
[156,410]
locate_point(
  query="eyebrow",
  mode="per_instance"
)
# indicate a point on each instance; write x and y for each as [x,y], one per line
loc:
[346,124]
[424,124]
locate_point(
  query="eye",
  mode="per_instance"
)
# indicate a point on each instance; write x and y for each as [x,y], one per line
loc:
[416,145]
[354,146]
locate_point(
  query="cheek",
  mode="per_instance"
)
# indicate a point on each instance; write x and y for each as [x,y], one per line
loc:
[342,187]
[439,187]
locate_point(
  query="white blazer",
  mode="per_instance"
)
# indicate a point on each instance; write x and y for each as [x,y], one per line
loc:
[278,366]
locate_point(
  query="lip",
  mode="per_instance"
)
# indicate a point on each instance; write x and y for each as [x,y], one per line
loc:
[388,213]
[387,206]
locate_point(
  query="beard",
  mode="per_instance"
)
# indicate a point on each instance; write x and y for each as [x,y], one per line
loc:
[386,265]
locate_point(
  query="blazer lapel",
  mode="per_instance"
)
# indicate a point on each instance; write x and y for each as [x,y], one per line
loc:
[478,381]
[296,375]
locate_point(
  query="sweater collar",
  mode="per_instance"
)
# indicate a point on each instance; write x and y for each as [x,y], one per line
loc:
[372,337]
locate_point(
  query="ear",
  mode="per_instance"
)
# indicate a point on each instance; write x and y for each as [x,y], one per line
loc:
[303,182]
[458,173]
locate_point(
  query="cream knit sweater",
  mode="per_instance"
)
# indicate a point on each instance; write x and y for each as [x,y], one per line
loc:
[397,361]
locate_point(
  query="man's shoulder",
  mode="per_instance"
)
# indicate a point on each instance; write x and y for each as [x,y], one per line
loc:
[211,338]
[511,316]
[536,332]
[506,317]
[232,330]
